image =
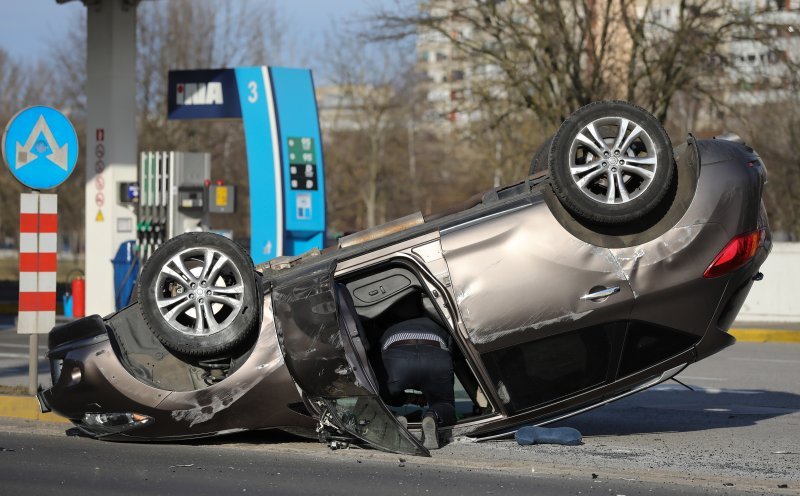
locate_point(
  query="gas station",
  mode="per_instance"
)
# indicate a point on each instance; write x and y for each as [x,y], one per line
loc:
[136,200]
[148,197]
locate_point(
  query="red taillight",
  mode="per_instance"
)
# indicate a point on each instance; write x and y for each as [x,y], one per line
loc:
[736,253]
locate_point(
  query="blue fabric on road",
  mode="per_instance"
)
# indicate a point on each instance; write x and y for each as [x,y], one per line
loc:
[542,435]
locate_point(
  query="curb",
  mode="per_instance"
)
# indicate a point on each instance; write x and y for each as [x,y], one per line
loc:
[26,407]
[750,335]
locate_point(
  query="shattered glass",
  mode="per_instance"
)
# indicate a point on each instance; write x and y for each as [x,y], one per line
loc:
[367,418]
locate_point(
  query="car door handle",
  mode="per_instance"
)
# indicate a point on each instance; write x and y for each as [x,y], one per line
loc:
[602,293]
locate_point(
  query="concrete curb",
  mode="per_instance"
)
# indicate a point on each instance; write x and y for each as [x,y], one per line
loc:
[751,335]
[26,407]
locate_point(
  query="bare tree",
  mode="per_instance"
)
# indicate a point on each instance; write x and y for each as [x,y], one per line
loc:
[550,57]
[13,97]
[22,85]
[367,115]
[778,151]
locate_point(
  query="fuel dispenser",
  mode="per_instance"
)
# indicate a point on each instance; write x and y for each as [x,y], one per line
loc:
[173,197]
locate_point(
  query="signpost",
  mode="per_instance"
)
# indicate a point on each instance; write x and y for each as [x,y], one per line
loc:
[40,148]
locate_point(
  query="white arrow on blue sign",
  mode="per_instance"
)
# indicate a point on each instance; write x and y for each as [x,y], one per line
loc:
[40,147]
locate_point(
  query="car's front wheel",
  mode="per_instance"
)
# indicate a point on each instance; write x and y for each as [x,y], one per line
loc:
[198,294]
[611,162]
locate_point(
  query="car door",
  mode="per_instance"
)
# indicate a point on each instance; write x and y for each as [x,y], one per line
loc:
[320,337]
[545,311]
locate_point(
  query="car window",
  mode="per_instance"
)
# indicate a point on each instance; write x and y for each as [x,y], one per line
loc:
[327,360]
[538,372]
[367,418]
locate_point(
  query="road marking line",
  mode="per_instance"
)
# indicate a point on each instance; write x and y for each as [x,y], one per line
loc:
[766,335]
[26,346]
[770,360]
[13,355]
[670,387]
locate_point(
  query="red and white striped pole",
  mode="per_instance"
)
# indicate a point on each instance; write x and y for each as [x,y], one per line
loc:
[38,244]
[45,161]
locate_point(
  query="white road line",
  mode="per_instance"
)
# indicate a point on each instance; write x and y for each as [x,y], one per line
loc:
[676,387]
[696,378]
[13,355]
[14,345]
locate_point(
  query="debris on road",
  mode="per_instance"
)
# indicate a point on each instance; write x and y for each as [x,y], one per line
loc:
[182,466]
[543,435]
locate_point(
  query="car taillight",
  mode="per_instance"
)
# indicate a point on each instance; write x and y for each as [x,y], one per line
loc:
[740,250]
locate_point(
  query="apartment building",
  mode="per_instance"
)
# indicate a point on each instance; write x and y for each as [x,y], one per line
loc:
[759,69]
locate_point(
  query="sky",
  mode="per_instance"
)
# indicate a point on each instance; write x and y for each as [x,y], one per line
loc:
[29,27]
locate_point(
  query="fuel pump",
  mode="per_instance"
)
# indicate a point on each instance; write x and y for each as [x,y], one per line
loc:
[172,197]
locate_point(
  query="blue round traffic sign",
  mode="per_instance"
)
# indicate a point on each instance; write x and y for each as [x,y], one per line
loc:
[40,147]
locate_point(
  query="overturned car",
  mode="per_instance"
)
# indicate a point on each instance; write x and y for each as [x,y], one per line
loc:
[620,264]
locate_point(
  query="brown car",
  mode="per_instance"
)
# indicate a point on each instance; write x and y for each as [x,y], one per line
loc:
[610,272]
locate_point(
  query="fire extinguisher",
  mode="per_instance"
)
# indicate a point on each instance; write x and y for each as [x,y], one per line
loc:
[78,287]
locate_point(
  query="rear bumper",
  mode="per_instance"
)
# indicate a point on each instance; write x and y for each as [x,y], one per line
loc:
[739,284]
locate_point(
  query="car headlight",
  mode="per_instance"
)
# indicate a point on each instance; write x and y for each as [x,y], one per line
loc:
[101,424]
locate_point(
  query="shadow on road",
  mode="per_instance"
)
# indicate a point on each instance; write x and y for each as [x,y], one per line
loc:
[670,408]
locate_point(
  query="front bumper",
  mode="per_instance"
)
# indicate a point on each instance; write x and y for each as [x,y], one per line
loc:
[94,389]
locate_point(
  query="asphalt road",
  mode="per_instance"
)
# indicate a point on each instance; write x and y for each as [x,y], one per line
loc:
[14,350]
[737,433]
[40,464]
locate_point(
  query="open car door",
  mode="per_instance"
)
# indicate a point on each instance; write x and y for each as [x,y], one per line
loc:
[321,338]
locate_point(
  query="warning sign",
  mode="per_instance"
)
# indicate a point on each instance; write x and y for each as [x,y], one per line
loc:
[99,217]
[222,196]
[222,199]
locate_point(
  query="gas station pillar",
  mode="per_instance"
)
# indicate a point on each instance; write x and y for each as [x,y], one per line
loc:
[110,144]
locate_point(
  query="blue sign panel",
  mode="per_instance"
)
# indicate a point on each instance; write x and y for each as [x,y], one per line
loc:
[40,147]
[303,168]
[284,148]
[263,164]
[204,94]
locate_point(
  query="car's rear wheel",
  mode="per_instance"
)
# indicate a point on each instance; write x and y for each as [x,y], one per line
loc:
[611,162]
[198,294]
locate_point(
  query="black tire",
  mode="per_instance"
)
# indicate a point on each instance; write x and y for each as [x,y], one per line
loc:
[217,281]
[539,161]
[582,168]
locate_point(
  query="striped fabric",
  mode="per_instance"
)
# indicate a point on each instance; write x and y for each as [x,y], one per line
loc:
[402,336]
[38,244]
